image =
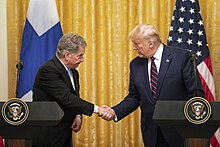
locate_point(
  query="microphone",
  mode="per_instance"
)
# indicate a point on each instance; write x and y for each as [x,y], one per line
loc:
[19,65]
[193,57]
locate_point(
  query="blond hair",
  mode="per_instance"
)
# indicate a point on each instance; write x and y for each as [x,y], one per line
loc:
[145,32]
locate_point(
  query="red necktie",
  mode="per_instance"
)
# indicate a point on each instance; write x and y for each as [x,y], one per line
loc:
[153,77]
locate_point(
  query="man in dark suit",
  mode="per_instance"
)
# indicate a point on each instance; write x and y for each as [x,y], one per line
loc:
[58,80]
[174,81]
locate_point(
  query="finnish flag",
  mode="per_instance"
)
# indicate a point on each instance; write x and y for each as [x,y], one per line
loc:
[41,34]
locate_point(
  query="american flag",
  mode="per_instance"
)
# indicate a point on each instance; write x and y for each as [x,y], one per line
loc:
[187,31]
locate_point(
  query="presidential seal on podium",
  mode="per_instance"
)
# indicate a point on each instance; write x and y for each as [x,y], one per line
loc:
[15,111]
[197,110]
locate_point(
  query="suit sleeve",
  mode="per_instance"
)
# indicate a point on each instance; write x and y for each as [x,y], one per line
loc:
[130,102]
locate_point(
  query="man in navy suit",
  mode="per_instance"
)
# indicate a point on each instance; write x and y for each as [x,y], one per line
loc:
[176,82]
[58,80]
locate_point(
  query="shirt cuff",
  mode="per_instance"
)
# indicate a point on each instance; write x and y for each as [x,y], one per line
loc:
[78,115]
[96,109]
[115,118]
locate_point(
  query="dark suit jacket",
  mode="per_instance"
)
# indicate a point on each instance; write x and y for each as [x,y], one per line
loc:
[176,83]
[52,83]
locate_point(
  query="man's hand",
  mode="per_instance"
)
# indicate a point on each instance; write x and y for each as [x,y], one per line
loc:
[77,123]
[106,113]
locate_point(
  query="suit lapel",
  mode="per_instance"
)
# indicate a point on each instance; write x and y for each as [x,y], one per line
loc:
[164,66]
[76,81]
[145,76]
[147,79]
[63,73]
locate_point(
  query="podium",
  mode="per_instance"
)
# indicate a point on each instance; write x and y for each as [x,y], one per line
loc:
[171,113]
[40,114]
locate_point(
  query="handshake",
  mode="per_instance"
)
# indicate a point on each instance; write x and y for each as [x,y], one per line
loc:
[106,113]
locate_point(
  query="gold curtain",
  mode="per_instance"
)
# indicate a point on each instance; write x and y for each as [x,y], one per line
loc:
[104,76]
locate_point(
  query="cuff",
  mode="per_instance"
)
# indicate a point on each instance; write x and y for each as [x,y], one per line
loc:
[96,109]
[78,115]
[115,118]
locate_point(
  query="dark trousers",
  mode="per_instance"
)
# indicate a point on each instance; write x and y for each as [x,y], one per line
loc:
[161,142]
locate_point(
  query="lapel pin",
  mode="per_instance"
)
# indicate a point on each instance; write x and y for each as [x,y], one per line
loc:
[167,60]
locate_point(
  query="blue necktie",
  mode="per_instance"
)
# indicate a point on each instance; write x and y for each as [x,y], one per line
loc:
[71,77]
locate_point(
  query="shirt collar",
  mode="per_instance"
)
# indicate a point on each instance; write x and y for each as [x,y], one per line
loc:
[158,54]
[62,63]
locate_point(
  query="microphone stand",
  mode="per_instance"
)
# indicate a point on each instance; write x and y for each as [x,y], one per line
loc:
[193,60]
[195,71]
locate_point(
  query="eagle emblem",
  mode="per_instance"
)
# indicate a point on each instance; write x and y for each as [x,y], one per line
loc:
[15,111]
[198,110]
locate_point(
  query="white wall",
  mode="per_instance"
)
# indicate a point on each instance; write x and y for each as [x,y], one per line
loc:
[3,52]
